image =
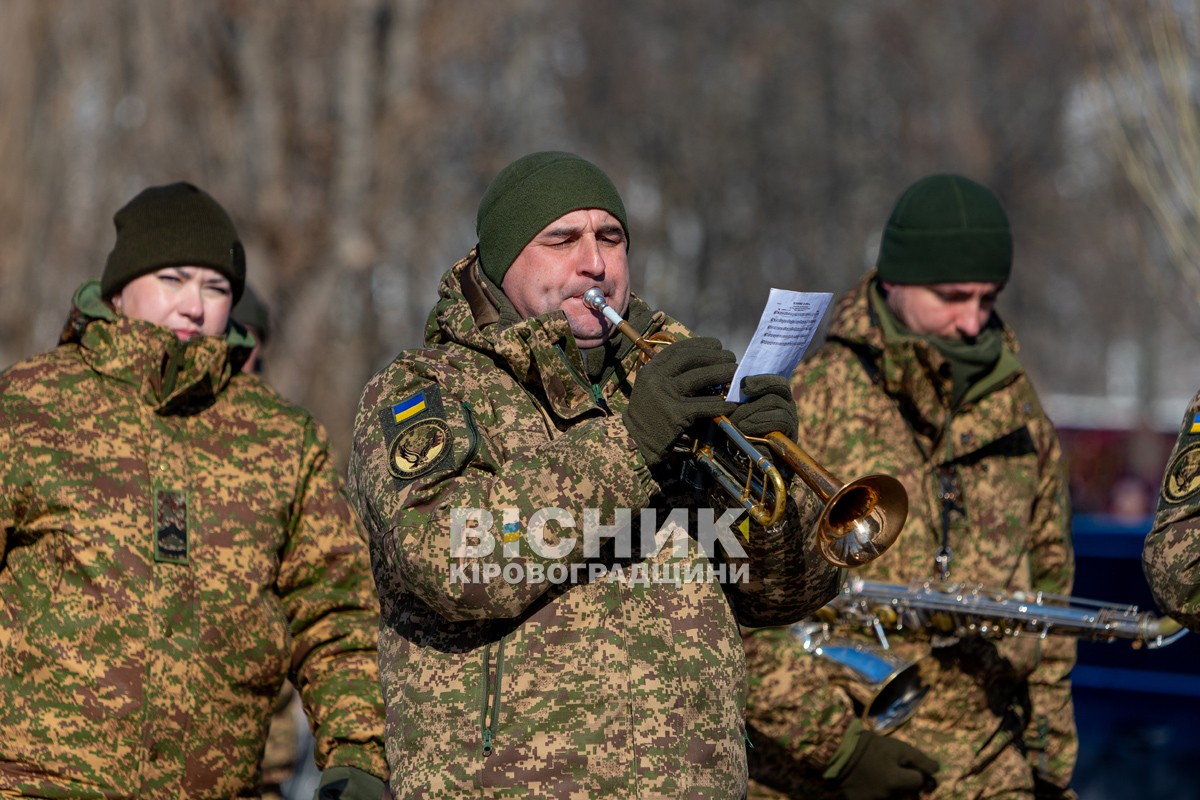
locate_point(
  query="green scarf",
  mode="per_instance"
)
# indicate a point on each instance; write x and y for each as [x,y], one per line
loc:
[970,362]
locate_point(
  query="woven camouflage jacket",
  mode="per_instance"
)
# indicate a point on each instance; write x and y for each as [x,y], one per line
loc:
[1171,554]
[551,679]
[175,542]
[990,479]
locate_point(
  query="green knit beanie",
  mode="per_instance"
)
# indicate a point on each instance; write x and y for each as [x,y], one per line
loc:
[176,225]
[946,229]
[528,195]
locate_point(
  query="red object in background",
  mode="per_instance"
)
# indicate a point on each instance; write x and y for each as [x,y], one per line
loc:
[1115,472]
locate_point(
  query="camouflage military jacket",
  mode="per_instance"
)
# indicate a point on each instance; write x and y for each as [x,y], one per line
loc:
[564,675]
[1171,556]
[987,484]
[175,542]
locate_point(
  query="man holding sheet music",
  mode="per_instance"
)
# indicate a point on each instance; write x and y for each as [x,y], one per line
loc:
[919,379]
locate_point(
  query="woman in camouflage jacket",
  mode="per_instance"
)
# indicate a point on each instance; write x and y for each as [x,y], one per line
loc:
[175,542]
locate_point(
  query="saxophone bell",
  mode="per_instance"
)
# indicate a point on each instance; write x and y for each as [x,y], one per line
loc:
[888,688]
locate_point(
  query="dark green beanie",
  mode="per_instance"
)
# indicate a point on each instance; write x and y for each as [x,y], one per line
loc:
[528,195]
[946,229]
[176,225]
[251,312]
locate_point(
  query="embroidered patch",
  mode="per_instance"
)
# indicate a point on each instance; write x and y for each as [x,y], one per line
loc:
[423,435]
[1182,476]
[418,448]
[170,526]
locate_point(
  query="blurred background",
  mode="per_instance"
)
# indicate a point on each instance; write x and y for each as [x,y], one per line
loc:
[757,144]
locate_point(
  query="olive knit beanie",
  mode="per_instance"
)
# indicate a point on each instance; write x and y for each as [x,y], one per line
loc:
[946,229]
[176,225]
[528,195]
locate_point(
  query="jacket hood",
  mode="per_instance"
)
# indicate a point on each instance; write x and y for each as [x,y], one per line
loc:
[170,376]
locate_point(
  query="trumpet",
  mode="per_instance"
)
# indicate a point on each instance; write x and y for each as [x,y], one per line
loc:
[859,520]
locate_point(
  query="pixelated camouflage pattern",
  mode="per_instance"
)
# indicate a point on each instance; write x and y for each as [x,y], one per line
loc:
[866,408]
[594,689]
[1171,555]
[127,675]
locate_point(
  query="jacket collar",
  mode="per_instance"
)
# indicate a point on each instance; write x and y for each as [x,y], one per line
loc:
[540,352]
[170,376]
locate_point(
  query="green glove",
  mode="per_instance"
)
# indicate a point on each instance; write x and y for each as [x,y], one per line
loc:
[674,390]
[348,783]
[768,407]
[883,768]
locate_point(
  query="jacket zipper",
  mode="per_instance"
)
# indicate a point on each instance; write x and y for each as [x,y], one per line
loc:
[491,691]
[592,388]
[472,430]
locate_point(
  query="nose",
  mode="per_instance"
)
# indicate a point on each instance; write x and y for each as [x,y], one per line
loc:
[191,304]
[971,318]
[592,260]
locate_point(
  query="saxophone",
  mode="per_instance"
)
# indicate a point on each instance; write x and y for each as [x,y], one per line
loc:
[889,689]
[952,610]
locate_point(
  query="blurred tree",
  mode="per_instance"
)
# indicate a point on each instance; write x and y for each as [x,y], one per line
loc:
[1147,85]
[757,144]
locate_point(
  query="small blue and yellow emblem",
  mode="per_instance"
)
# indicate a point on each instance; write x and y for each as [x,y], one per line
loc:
[1195,424]
[409,408]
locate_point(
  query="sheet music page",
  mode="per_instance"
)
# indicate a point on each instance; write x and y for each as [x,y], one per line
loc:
[785,330]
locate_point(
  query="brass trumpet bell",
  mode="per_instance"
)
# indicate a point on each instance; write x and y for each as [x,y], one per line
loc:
[861,518]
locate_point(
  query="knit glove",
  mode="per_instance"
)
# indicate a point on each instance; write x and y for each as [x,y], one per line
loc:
[348,783]
[674,390]
[883,768]
[769,406]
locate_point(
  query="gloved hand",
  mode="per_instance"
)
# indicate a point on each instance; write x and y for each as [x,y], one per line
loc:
[674,390]
[768,407]
[883,768]
[348,783]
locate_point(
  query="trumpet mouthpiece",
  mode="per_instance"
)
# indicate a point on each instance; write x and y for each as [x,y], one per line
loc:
[594,297]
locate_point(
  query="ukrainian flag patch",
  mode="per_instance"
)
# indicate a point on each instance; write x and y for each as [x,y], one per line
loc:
[409,408]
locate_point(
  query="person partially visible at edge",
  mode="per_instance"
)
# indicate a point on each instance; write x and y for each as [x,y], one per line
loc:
[1171,553]
[175,542]
[920,379]
[252,314]
[594,683]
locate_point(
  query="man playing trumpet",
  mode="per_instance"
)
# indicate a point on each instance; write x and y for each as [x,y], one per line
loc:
[551,658]
[920,379]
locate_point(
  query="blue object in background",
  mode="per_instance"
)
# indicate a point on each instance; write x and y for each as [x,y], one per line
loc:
[1137,710]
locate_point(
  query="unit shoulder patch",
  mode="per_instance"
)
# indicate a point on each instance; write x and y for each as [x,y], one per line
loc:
[418,448]
[423,435]
[1182,475]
